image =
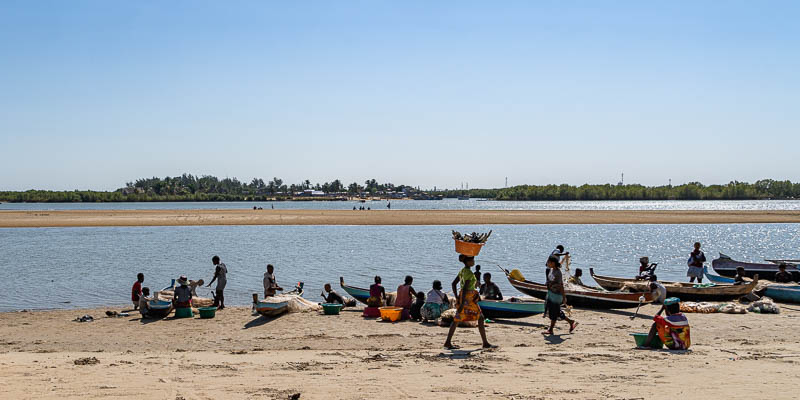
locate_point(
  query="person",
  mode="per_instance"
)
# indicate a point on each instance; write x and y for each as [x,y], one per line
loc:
[389,205]
[555,295]
[354,208]
[673,330]
[136,290]
[416,308]
[695,263]
[182,297]
[377,294]
[576,280]
[645,269]
[739,278]
[270,284]
[782,276]
[332,297]
[658,290]
[477,276]
[468,297]
[144,306]
[558,252]
[221,276]
[193,285]
[405,294]
[435,302]
[489,289]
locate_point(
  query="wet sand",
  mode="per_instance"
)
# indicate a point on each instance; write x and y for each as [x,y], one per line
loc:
[237,355]
[74,218]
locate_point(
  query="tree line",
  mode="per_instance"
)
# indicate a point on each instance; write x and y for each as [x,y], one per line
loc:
[188,187]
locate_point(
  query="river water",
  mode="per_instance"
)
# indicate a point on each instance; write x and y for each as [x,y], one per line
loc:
[446,204]
[89,267]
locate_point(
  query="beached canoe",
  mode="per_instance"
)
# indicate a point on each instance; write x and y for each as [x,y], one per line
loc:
[159,308]
[785,293]
[269,309]
[510,309]
[585,297]
[362,294]
[726,266]
[683,290]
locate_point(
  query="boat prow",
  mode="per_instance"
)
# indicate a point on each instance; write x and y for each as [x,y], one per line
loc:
[686,291]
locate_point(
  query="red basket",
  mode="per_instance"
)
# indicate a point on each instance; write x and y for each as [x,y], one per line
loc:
[468,249]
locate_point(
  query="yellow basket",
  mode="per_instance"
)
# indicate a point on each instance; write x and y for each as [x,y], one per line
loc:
[468,249]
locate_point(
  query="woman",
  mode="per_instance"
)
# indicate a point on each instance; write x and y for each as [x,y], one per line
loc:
[468,298]
[377,294]
[555,295]
[435,303]
[405,296]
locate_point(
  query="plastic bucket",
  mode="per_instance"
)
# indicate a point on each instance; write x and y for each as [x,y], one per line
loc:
[207,312]
[640,338]
[371,312]
[331,308]
[468,249]
[392,314]
[184,312]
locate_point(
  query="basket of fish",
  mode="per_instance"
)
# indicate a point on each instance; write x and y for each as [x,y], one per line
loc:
[470,244]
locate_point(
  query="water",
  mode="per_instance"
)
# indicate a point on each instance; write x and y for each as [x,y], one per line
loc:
[92,267]
[447,204]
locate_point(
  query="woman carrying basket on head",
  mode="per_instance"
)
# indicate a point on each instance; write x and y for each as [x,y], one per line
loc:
[468,297]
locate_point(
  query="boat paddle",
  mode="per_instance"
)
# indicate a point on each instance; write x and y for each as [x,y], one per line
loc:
[641,300]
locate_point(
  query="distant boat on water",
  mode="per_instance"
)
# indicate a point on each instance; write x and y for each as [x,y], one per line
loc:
[463,197]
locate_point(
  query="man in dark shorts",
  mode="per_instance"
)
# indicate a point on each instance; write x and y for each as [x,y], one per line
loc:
[556,296]
[221,276]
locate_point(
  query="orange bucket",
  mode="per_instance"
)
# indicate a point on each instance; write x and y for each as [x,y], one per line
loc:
[392,314]
[468,249]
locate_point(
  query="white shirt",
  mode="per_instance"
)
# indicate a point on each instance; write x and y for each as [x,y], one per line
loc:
[434,296]
[661,292]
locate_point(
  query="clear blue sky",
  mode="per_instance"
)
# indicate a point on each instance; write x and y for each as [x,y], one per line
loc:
[97,93]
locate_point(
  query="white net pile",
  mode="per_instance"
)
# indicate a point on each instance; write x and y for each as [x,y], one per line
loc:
[294,303]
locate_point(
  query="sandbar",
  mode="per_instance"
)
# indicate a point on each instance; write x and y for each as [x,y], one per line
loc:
[78,218]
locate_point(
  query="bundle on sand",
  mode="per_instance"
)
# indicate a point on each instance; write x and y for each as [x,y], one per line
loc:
[167,295]
[294,303]
[708,308]
[764,306]
[447,318]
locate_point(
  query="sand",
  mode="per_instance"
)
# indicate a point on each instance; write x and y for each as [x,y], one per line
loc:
[237,356]
[13,219]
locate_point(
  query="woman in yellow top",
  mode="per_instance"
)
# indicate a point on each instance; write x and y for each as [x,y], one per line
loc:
[468,298]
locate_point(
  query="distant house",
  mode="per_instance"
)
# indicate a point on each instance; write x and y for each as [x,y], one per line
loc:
[311,193]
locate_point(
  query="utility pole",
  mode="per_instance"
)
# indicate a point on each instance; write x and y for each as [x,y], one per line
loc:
[506,182]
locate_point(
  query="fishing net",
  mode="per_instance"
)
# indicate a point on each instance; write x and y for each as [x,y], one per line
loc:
[295,303]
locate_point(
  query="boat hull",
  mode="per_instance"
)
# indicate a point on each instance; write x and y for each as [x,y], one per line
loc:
[725,266]
[778,292]
[510,309]
[588,298]
[682,290]
[272,309]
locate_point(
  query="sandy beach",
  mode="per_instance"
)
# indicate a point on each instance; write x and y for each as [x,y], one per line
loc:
[44,354]
[74,218]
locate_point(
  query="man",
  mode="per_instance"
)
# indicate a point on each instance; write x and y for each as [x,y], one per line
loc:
[136,290]
[332,297]
[658,290]
[556,296]
[221,276]
[489,289]
[695,263]
[782,276]
[270,285]
[673,330]
[182,296]
[576,280]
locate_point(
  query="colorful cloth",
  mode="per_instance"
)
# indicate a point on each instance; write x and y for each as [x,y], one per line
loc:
[470,311]
[467,279]
[673,331]
[431,311]
[375,295]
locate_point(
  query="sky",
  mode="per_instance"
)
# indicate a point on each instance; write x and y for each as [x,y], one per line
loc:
[94,94]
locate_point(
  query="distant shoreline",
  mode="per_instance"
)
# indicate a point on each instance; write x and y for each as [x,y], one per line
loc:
[88,218]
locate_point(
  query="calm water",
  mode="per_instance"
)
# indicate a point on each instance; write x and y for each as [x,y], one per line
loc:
[447,204]
[84,267]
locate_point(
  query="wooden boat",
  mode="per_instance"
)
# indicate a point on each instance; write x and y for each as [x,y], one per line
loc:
[159,308]
[268,309]
[510,309]
[585,297]
[362,294]
[785,293]
[683,290]
[726,266]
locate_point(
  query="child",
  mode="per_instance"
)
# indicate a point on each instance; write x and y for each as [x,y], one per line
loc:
[739,279]
[144,308]
[416,308]
[332,297]
[136,290]
[673,330]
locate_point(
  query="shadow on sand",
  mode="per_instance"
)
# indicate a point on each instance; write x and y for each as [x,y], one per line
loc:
[260,320]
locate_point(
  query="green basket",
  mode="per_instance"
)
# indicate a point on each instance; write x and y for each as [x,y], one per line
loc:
[185,312]
[331,309]
[640,338]
[207,312]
